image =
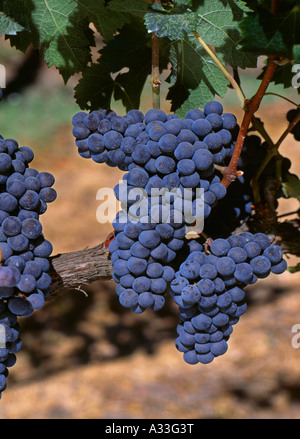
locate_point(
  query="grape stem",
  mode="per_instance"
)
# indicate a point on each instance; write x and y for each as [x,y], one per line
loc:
[155,81]
[274,7]
[251,106]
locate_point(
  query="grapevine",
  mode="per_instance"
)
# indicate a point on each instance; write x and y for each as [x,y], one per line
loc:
[198,219]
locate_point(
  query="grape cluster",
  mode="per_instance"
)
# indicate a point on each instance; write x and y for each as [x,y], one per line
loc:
[24,251]
[24,194]
[137,138]
[159,199]
[171,182]
[291,114]
[167,159]
[209,291]
[10,342]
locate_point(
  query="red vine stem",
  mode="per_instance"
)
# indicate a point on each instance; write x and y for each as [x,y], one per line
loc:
[230,172]
[156,82]
[274,7]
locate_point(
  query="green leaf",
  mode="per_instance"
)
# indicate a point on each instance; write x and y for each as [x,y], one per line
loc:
[283,75]
[106,22]
[296,53]
[8,25]
[18,12]
[195,78]
[216,21]
[187,3]
[282,5]
[130,49]
[96,87]
[266,34]
[110,18]
[173,26]
[61,34]
[136,8]
[294,269]
[218,25]
[196,99]
[21,41]
[121,71]
[291,187]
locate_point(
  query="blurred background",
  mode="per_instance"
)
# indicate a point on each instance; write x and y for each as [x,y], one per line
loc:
[83,355]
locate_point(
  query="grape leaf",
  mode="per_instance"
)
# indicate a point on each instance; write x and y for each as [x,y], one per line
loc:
[195,99]
[296,53]
[294,269]
[215,21]
[218,26]
[195,78]
[128,57]
[291,187]
[21,41]
[130,49]
[8,25]
[283,75]
[282,5]
[133,7]
[105,22]
[187,3]
[95,88]
[61,34]
[17,12]
[173,26]
[111,17]
[266,34]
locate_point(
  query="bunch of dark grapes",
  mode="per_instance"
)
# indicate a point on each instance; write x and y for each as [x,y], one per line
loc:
[172,182]
[24,251]
[140,139]
[209,291]
[167,159]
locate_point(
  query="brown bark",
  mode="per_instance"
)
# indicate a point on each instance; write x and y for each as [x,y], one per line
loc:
[74,269]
